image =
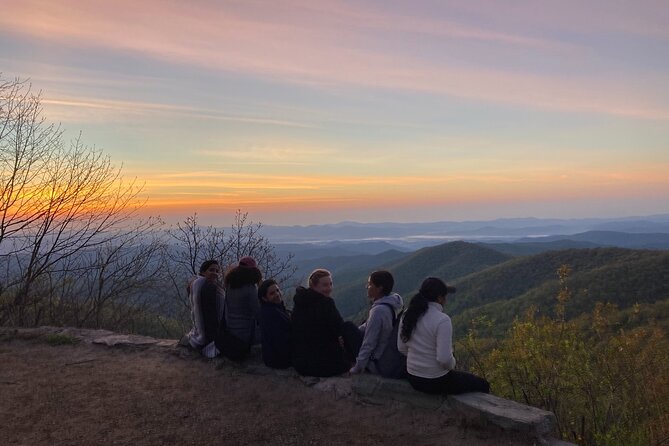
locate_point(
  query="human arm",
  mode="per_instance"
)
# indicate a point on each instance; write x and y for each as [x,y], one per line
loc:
[332,320]
[372,335]
[401,345]
[445,344]
[253,300]
[196,308]
[208,300]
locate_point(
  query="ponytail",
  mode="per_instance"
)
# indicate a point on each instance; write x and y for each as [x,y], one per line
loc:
[430,290]
[417,307]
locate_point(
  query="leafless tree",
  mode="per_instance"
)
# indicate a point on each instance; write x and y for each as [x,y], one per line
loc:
[72,250]
[114,283]
[27,146]
[57,201]
[246,239]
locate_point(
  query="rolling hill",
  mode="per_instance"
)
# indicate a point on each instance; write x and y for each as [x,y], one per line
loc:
[620,276]
[448,261]
[609,238]
[503,285]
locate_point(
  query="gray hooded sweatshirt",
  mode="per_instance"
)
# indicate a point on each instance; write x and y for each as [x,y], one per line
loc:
[376,331]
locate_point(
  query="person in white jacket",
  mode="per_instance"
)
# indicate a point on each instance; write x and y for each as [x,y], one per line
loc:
[426,337]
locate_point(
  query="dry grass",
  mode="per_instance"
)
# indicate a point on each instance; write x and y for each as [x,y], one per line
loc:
[84,394]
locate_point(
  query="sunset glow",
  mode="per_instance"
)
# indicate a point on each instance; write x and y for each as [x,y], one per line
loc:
[305,112]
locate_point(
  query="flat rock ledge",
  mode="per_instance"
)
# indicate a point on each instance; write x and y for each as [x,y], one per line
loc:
[478,409]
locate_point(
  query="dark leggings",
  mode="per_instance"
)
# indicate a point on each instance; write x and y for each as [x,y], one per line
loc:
[452,383]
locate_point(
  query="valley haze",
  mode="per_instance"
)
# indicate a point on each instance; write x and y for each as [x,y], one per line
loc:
[415,235]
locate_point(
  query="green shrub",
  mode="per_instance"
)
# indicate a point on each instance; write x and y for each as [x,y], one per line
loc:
[59,339]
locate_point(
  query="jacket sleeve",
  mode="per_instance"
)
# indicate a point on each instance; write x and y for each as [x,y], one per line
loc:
[371,339]
[401,345]
[445,344]
[333,320]
[208,300]
[196,302]
[275,323]
[254,302]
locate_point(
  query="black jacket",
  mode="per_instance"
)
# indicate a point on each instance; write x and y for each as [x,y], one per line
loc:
[210,311]
[276,338]
[317,326]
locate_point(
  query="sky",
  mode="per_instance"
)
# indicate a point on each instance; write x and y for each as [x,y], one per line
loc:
[320,111]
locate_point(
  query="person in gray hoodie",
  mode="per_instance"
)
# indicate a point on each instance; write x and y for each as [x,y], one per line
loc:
[376,330]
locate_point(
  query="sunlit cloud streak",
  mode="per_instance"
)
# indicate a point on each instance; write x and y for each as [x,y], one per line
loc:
[642,17]
[228,38]
[242,188]
[125,108]
[330,106]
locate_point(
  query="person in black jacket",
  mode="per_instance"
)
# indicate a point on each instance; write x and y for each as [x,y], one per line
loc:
[318,329]
[275,326]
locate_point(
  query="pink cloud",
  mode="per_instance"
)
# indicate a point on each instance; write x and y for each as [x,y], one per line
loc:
[642,17]
[286,44]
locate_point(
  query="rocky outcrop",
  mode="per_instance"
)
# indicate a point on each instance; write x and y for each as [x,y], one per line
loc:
[476,408]
[487,411]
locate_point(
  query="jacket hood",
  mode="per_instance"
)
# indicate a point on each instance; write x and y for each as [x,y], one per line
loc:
[307,296]
[393,299]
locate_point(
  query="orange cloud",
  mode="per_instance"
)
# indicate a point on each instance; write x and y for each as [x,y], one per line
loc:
[208,190]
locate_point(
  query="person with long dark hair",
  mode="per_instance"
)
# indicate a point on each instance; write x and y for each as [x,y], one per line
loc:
[242,305]
[275,326]
[426,337]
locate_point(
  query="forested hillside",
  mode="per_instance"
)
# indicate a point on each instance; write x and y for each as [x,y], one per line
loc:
[603,374]
[501,293]
[448,261]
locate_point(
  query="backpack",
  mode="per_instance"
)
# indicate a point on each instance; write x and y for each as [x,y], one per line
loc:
[392,363]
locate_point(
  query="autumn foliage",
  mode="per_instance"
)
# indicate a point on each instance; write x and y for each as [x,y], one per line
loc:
[607,385]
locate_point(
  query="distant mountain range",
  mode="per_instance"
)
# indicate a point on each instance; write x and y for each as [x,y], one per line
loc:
[610,238]
[500,269]
[415,235]
[590,239]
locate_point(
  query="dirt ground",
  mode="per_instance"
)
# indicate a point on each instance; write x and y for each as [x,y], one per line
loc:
[91,395]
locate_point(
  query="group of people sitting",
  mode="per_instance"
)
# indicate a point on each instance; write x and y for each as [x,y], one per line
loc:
[231,315]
